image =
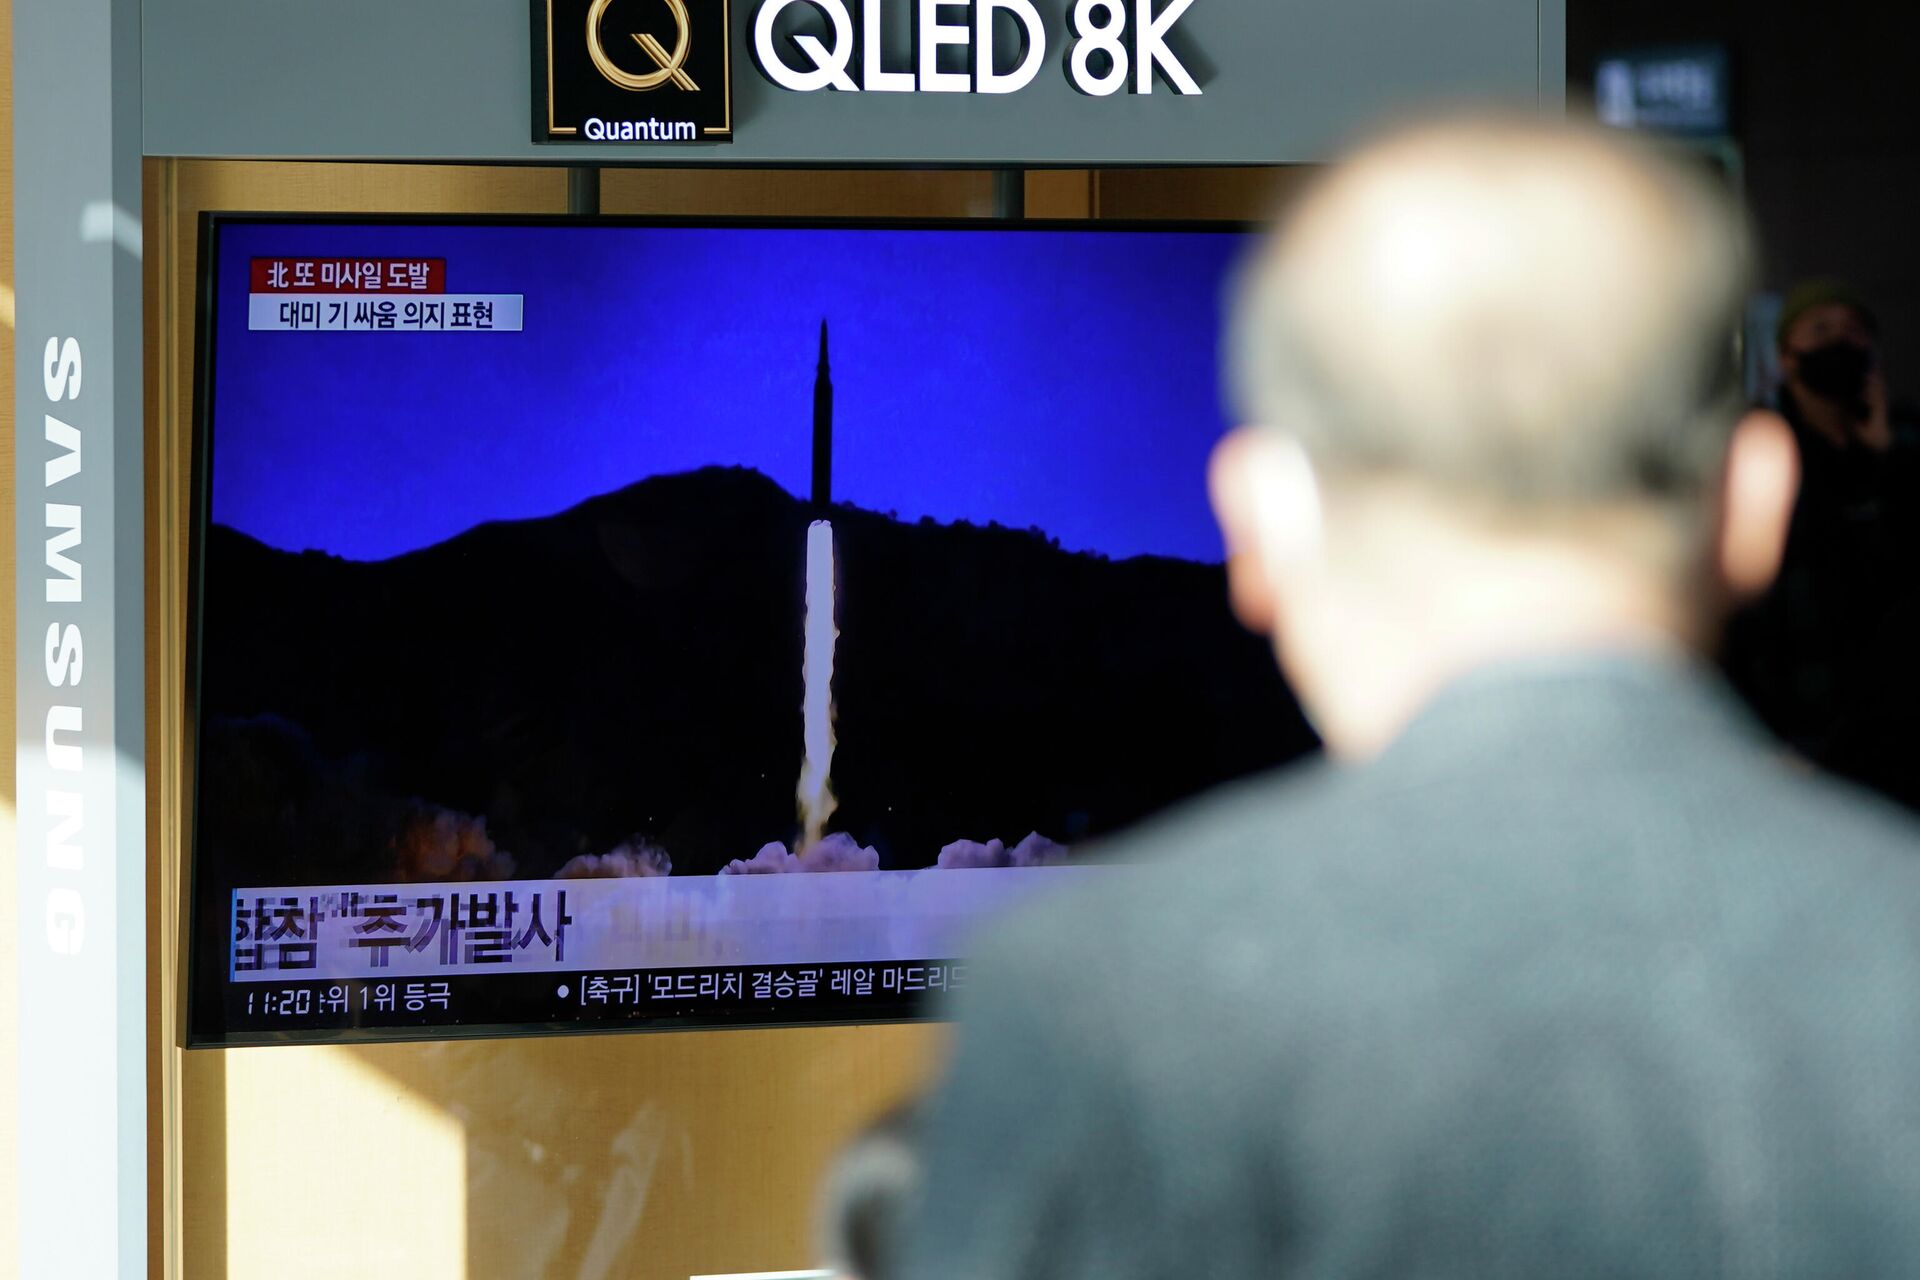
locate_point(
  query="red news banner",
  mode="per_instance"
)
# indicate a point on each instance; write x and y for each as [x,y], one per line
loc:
[371,295]
[349,275]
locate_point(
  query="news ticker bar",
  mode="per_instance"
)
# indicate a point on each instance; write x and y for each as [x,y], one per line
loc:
[730,995]
[399,932]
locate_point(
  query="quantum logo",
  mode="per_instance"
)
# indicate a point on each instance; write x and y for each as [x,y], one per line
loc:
[669,67]
[592,58]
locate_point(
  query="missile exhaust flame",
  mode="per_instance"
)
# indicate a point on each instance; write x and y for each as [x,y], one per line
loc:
[815,794]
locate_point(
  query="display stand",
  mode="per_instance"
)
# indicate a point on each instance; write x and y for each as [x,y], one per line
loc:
[655,1156]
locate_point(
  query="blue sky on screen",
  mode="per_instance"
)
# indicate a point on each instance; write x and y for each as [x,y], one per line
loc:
[1060,379]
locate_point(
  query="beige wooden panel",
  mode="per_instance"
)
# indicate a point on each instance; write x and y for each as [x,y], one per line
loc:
[801,193]
[650,1156]
[1247,194]
[164,489]
[273,185]
[1060,193]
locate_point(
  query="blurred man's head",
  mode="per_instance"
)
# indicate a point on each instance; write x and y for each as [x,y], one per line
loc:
[1492,368]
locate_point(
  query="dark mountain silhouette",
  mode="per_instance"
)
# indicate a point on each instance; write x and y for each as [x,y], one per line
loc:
[633,666]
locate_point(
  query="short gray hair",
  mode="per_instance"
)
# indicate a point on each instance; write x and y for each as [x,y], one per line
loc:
[1533,313]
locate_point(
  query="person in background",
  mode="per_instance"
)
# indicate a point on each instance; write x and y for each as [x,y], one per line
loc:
[869,1193]
[1830,658]
[1833,382]
[1553,967]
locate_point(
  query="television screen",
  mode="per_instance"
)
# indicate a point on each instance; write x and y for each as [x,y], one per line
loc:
[643,624]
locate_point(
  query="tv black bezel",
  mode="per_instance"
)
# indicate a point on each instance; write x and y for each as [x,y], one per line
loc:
[198,1033]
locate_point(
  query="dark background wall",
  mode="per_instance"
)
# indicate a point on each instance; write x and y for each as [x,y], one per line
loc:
[1827,101]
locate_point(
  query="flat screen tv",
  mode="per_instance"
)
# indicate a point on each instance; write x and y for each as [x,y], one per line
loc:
[640,624]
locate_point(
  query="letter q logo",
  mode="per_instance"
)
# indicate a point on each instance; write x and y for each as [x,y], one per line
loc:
[829,65]
[670,64]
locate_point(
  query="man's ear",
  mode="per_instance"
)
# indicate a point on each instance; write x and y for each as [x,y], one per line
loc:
[1761,483]
[1268,504]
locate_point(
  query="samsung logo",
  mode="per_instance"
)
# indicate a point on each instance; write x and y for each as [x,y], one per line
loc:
[63,800]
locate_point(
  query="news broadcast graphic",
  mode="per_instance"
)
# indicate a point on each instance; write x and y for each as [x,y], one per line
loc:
[370,294]
[632,71]
[662,624]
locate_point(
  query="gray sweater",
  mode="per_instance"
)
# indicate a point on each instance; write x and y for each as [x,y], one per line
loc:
[1578,979]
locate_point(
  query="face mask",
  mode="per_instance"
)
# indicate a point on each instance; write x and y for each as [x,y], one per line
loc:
[1837,371]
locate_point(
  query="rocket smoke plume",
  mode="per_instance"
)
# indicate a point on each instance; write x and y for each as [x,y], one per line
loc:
[816,790]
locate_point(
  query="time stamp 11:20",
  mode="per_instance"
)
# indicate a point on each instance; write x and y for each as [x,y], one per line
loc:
[341,998]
